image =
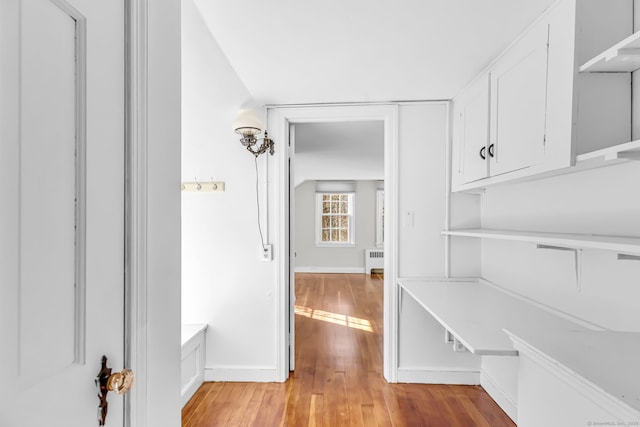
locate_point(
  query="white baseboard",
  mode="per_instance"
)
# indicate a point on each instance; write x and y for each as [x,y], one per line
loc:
[190,389]
[241,374]
[497,393]
[424,376]
[343,270]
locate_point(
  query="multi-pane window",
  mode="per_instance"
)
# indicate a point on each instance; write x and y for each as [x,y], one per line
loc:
[334,219]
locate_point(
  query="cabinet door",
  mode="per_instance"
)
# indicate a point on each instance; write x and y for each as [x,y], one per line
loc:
[518,104]
[471,133]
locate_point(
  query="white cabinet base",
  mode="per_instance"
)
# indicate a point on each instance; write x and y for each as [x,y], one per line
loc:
[193,359]
[546,399]
[578,379]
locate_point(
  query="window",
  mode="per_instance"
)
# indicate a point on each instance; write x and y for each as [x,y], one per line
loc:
[380,218]
[334,219]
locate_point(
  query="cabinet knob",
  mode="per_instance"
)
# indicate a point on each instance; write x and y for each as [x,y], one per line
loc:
[482,150]
[491,150]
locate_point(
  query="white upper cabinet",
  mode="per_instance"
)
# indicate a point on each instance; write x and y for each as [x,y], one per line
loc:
[471,134]
[518,104]
[542,112]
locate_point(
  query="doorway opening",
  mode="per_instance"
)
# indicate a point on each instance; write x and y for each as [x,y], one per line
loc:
[336,176]
[285,123]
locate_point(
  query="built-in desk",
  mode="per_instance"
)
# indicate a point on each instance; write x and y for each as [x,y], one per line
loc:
[578,375]
[476,314]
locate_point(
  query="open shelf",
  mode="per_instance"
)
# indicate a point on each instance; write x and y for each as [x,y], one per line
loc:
[623,245]
[476,314]
[623,57]
[605,360]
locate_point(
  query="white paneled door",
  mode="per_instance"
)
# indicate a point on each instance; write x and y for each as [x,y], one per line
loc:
[61,209]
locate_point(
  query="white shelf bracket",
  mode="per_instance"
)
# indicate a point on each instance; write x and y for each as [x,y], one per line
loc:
[623,155]
[628,51]
[448,338]
[625,257]
[630,155]
[555,248]
[458,347]
[577,258]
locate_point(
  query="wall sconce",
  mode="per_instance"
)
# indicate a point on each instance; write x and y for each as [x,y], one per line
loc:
[249,125]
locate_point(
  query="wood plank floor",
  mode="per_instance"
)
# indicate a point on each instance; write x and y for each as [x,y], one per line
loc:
[338,377]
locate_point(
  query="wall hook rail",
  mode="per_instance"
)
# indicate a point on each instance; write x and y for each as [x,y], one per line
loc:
[203,187]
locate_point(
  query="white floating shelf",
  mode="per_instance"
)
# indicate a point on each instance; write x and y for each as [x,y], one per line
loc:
[626,245]
[623,57]
[476,314]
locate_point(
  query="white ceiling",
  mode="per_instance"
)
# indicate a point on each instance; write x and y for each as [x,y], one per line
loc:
[317,51]
[339,151]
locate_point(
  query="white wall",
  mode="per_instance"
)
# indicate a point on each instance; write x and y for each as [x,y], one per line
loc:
[423,354]
[224,283]
[309,257]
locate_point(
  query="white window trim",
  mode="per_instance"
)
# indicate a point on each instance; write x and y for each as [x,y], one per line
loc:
[379,218]
[352,223]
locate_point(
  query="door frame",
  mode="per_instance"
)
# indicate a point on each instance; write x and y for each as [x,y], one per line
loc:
[152,210]
[279,118]
[136,329]
[291,253]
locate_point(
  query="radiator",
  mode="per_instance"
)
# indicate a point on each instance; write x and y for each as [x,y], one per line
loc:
[373,258]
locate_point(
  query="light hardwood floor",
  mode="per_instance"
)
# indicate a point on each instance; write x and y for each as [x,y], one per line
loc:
[338,378]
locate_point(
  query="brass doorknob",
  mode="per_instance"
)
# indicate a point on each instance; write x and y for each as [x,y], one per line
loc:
[120,382]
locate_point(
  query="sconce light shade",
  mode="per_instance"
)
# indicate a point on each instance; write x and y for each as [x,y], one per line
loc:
[247,123]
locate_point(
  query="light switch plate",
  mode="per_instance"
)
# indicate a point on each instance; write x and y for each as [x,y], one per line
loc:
[408,219]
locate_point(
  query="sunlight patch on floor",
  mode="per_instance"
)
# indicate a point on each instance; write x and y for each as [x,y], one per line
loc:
[338,319]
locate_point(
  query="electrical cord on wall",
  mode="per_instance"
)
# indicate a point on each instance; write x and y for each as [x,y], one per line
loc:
[264,248]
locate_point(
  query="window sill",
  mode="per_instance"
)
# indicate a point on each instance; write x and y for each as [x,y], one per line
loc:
[335,245]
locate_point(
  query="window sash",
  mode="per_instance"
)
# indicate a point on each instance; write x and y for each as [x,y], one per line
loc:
[334,219]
